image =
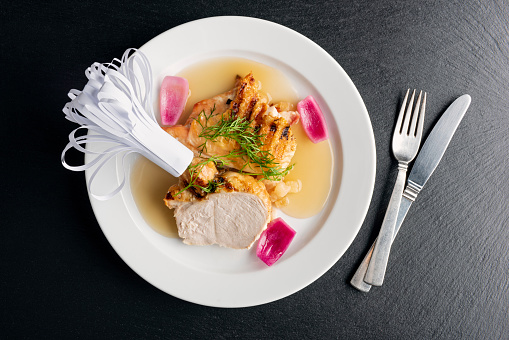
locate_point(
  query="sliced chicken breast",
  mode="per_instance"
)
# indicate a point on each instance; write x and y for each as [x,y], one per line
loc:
[233,220]
[234,216]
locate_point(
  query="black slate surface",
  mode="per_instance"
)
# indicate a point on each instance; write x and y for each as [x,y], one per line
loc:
[448,274]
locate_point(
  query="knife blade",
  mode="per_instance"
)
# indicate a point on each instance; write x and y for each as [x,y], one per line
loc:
[425,164]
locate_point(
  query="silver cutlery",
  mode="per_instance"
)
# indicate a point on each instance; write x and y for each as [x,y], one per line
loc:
[426,162]
[405,144]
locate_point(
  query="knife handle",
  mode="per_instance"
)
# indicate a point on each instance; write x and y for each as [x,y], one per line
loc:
[378,264]
[358,279]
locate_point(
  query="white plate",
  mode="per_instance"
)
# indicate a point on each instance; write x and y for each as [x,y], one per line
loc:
[223,277]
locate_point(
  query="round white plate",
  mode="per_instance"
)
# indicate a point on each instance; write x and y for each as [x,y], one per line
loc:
[221,277]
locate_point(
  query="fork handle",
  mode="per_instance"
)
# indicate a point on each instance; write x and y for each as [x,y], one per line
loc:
[358,279]
[378,264]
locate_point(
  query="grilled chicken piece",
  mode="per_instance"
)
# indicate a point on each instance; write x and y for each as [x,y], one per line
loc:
[181,133]
[203,173]
[243,101]
[278,137]
[220,217]
[248,102]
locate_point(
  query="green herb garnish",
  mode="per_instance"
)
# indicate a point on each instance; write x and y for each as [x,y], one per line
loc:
[250,144]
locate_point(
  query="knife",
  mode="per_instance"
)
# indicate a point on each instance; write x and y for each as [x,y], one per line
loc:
[426,162]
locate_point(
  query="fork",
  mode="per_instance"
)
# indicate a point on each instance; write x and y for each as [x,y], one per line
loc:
[405,144]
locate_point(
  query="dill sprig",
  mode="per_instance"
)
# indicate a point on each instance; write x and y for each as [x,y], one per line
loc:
[250,144]
[250,150]
[194,171]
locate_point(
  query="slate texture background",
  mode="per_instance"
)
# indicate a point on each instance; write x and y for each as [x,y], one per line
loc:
[449,271]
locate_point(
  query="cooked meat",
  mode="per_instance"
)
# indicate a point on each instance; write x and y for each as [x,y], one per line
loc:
[181,134]
[248,102]
[228,182]
[272,123]
[220,147]
[216,206]
[235,182]
[285,110]
[222,219]
[203,173]
[278,138]
[176,195]
[244,101]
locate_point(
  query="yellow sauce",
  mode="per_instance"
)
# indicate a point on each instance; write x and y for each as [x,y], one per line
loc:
[149,185]
[314,167]
[313,162]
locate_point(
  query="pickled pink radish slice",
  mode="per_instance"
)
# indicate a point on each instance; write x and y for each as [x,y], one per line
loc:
[274,241]
[312,120]
[173,97]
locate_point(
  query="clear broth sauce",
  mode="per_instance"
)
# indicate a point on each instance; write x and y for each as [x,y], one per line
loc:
[313,162]
[149,185]
[314,166]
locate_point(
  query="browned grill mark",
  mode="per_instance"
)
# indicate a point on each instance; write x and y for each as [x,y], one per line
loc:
[250,107]
[219,180]
[285,133]
[235,108]
[242,88]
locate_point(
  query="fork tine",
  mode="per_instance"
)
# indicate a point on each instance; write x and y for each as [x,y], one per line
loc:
[399,123]
[420,124]
[408,114]
[415,116]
